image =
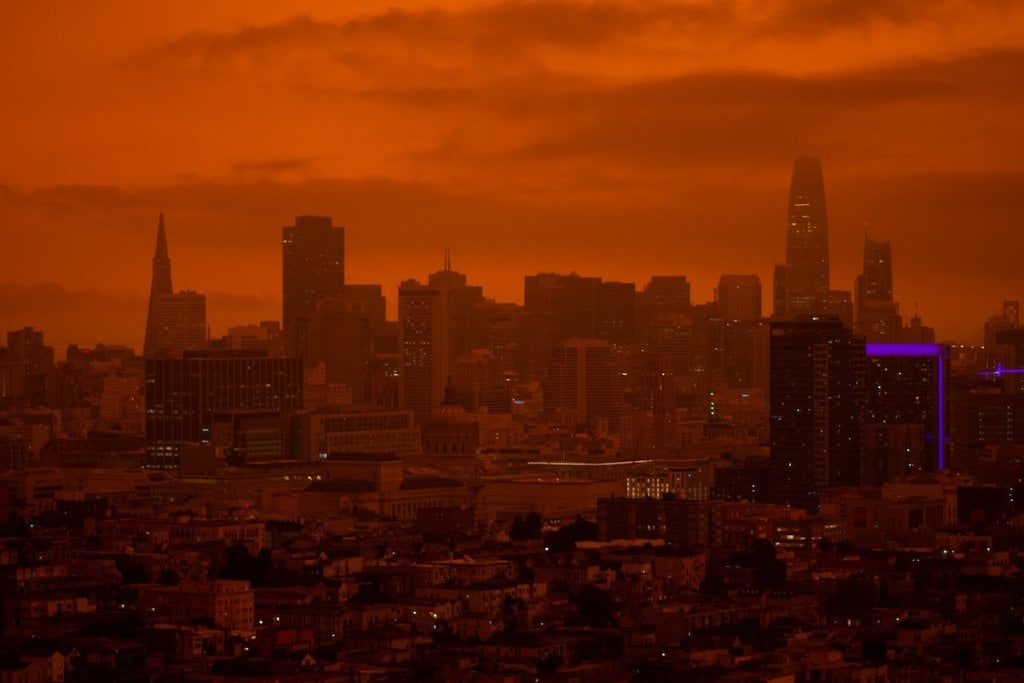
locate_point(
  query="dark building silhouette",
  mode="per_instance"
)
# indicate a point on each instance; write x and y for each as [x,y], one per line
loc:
[1008,351]
[28,370]
[557,307]
[438,322]
[739,297]
[313,268]
[342,340]
[423,347]
[184,394]
[465,302]
[655,395]
[369,301]
[174,322]
[878,318]
[744,349]
[681,523]
[663,301]
[160,286]
[805,277]
[583,384]
[616,311]
[450,431]
[907,410]
[179,323]
[817,403]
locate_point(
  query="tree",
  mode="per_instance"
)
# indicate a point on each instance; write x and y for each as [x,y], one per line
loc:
[132,570]
[526,529]
[566,538]
[167,578]
[596,606]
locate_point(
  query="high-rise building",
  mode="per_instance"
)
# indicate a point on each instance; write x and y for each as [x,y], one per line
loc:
[179,323]
[341,339]
[557,307]
[801,284]
[616,311]
[907,411]
[739,297]
[174,322]
[817,403]
[28,371]
[313,268]
[182,395]
[583,384]
[438,322]
[666,298]
[464,321]
[806,271]
[160,285]
[369,301]
[878,318]
[423,347]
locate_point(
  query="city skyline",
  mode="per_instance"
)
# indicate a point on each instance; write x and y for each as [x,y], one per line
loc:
[522,150]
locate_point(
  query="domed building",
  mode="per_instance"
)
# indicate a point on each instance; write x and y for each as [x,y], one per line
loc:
[451,430]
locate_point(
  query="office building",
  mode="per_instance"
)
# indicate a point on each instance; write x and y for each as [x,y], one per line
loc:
[739,297]
[662,302]
[583,385]
[179,323]
[817,396]
[28,372]
[616,311]
[342,340]
[184,394]
[313,268]
[174,322]
[423,347]
[907,414]
[878,318]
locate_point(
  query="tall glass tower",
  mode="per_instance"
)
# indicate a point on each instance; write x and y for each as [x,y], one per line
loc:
[313,269]
[804,279]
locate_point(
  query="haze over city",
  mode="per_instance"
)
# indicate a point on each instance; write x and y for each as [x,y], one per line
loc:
[614,140]
[512,341]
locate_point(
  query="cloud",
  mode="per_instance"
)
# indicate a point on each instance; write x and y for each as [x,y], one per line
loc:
[274,169]
[502,30]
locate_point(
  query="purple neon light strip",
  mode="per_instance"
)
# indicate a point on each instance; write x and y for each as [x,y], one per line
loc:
[936,351]
[904,349]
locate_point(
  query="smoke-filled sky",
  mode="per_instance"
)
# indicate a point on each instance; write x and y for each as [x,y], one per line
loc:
[614,138]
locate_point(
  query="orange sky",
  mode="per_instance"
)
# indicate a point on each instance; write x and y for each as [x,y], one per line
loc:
[616,139]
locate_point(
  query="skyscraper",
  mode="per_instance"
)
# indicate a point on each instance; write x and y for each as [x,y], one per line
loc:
[805,277]
[423,347]
[179,323]
[906,394]
[313,268]
[583,384]
[175,322]
[160,285]
[877,316]
[739,297]
[817,396]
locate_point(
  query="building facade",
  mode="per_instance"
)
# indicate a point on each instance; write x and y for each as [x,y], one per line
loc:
[313,268]
[183,394]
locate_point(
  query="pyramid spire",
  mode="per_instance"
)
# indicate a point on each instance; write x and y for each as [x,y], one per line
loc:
[161,240]
[159,286]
